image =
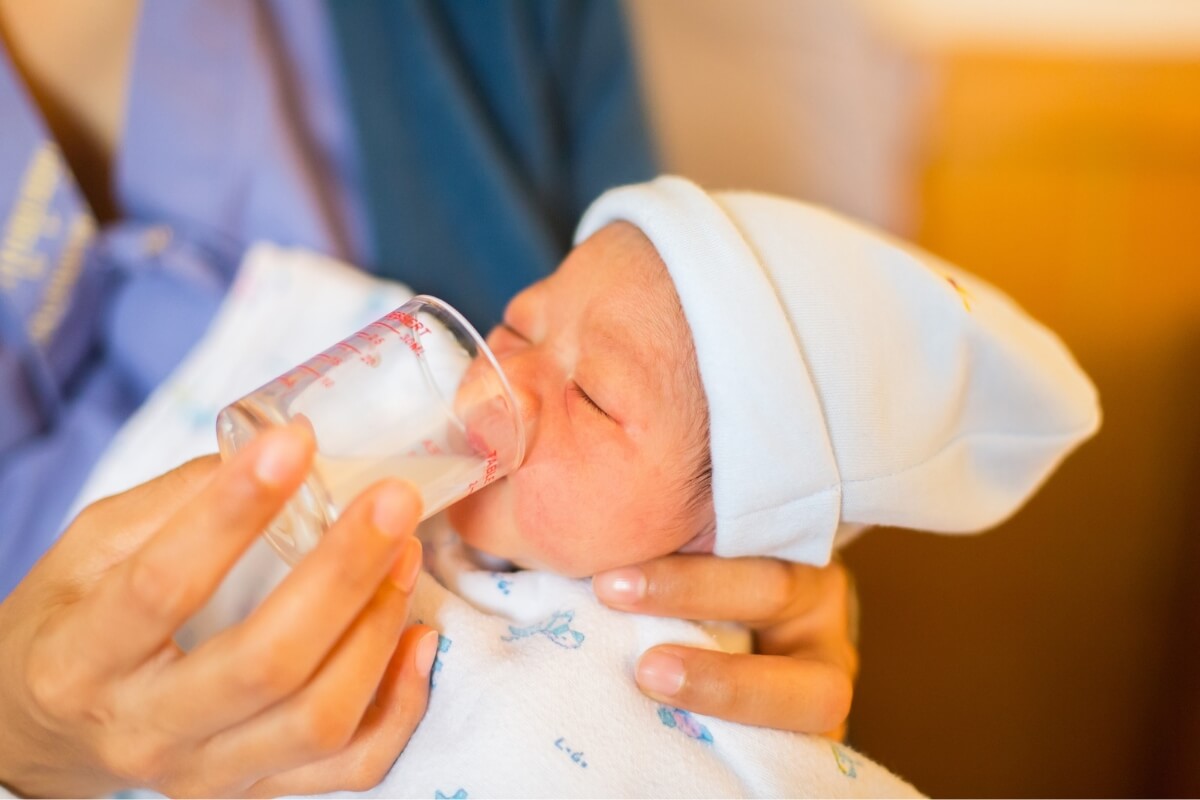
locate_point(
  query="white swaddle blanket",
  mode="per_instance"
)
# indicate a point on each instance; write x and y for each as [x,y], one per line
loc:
[533,696]
[533,693]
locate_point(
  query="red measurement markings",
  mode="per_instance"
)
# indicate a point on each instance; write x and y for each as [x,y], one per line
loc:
[489,474]
[405,337]
[431,447]
[383,324]
[333,360]
[373,339]
[295,376]
[408,321]
[369,359]
[493,465]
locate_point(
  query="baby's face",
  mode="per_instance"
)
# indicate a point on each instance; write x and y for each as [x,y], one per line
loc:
[601,362]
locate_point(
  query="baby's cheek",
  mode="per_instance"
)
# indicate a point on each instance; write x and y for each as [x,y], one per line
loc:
[608,531]
[484,521]
[554,521]
[668,523]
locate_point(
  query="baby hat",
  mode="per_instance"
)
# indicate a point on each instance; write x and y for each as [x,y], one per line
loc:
[851,380]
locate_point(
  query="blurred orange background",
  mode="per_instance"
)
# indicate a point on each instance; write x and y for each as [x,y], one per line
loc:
[1052,147]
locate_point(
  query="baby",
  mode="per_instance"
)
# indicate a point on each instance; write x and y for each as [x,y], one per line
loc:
[733,373]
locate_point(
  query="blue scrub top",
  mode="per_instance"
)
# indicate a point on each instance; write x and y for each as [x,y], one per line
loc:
[251,121]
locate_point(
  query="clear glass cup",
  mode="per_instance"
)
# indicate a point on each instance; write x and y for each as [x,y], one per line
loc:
[415,395]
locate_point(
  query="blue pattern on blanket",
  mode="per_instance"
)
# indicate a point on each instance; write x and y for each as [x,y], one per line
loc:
[685,723]
[845,762]
[442,647]
[502,583]
[556,628]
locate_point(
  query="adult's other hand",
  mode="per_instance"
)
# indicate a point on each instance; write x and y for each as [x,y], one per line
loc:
[310,693]
[800,678]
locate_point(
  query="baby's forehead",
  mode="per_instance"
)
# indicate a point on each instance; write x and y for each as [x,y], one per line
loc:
[642,312]
[646,303]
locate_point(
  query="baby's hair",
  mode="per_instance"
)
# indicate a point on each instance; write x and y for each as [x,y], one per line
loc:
[671,329]
[698,485]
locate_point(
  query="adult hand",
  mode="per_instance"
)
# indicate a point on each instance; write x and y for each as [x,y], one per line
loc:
[802,678]
[311,693]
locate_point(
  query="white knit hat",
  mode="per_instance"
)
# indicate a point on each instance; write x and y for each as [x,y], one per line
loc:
[852,380]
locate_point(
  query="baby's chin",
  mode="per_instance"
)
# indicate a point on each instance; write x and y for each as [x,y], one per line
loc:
[520,558]
[483,523]
[469,517]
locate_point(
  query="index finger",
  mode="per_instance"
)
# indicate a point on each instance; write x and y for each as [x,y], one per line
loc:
[792,694]
[755,591]
[143,601]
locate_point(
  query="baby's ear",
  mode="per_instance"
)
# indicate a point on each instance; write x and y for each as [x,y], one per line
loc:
[701,543]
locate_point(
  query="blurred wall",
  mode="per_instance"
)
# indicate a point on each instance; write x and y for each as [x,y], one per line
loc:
[789,96]
[1056,153]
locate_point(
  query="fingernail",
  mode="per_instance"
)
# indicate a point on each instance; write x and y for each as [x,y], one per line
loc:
[278,456]
[407,566]
[623,587]
[392,512]
[660,673]
[426,652]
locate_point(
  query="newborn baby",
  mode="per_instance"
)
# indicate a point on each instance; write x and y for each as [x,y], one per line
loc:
[733,373]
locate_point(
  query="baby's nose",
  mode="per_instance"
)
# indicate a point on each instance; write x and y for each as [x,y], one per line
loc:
[523,375]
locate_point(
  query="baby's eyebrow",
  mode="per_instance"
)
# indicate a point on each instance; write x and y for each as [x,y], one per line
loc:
[636,344]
